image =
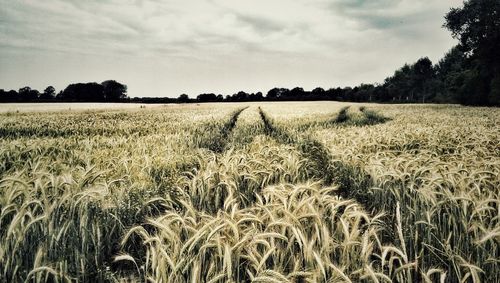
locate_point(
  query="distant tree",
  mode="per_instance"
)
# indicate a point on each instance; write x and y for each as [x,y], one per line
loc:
[277,94]
[297,93]
[381,94]
[206,97]
[344,93]
[4,96]
[259,96]
[183,98]
[351,93]
[8,96]
[318,90]
[256,96]
[364,93]
[240,96]
[334,93]
[273,94]
[423,75]
[494,97]
[153,100]
[34,95]
[48,93]
[400,86]
[114,91]
[13,95]
[220,97]
[24,90]
[85,92]
[28,94]
[450,75]
[318,93]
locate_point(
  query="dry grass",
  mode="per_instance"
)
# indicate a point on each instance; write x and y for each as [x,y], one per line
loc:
[292,192]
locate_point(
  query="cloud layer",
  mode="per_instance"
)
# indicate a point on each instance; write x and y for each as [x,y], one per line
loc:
[164,48]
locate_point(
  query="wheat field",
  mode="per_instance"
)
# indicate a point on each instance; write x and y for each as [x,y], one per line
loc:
[251,192]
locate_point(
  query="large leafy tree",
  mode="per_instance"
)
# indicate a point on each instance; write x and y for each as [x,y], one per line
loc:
[412,82]
[87,92]
[183,98]
[450,74]
[477,26]
[28,94]
[48,93]
[423,73]
[114,91]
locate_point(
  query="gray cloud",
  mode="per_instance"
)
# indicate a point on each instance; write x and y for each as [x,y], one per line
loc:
[215,45]
[261,25]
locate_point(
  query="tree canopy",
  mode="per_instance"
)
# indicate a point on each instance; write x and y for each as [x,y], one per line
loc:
[113,90]
[477,27]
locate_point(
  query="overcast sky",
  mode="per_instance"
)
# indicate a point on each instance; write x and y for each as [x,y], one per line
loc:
[165,48]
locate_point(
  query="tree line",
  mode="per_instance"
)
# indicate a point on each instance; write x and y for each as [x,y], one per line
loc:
[468,74]
[107,91]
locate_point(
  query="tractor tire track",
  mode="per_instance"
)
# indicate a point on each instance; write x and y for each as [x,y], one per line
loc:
[345,119]
[353,182]
[215,137]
